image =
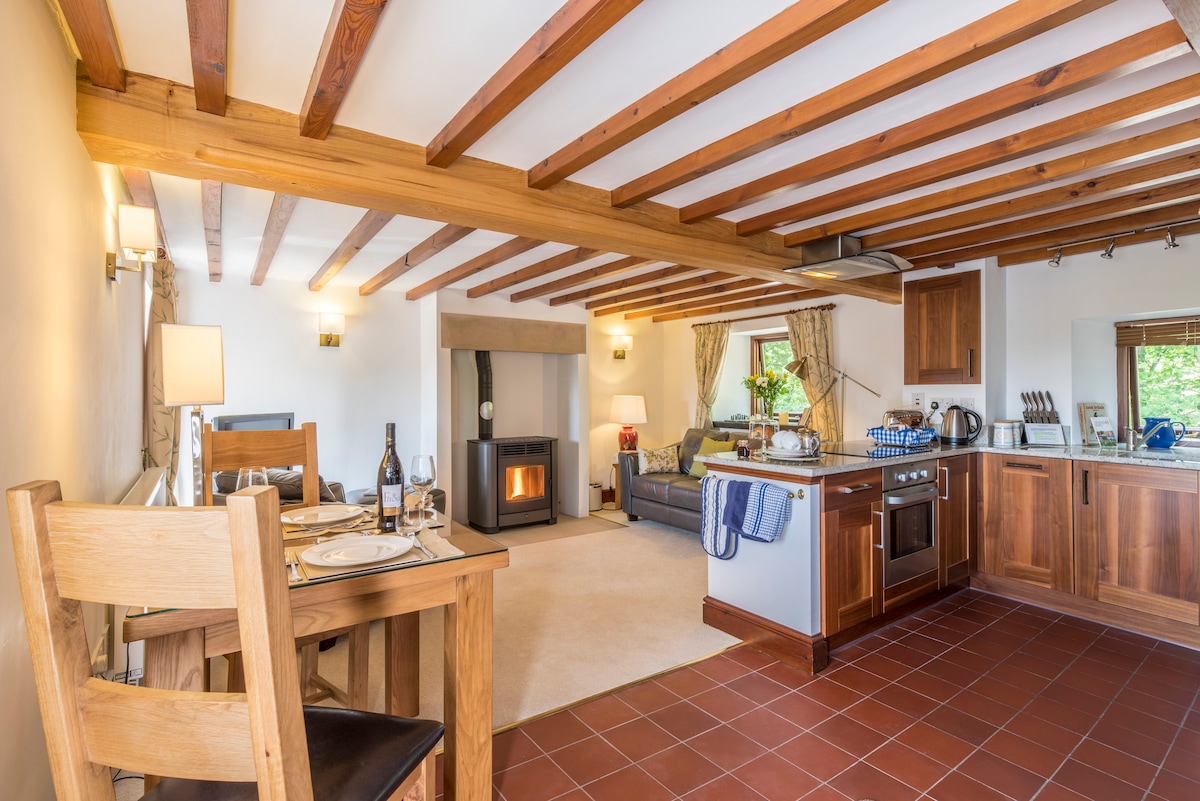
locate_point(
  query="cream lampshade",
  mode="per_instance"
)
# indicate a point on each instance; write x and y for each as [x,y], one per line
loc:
[628,410]
[193,371]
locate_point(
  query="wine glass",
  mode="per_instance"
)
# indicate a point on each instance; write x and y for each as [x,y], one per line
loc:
[421,476]
[251,477]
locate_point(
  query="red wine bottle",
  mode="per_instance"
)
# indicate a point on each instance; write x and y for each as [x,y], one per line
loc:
[390,485]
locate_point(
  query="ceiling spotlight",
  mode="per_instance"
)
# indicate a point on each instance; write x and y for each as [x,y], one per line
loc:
[1108,251]
[1056,259]
[1171,243]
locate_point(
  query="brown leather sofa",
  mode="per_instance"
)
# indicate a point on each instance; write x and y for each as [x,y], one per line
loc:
[671,498]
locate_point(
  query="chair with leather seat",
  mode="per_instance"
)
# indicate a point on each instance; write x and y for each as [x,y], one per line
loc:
[259,744]
[230,450]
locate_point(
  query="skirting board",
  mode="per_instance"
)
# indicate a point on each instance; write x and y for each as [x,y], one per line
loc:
[805,651]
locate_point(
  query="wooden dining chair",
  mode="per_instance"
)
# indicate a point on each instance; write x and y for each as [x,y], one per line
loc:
[230,450]
[261,744]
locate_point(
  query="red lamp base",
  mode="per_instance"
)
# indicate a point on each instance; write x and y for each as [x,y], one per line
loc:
[628,438]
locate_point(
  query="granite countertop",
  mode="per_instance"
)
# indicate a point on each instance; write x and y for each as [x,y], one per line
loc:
[830,464]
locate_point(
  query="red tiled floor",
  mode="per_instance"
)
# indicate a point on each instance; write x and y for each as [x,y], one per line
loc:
[978,698]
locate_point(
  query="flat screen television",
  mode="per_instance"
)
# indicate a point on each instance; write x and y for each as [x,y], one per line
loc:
[270,421]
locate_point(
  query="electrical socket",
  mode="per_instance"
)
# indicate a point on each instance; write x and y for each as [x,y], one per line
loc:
[942,403]
[918,400]
[967,403]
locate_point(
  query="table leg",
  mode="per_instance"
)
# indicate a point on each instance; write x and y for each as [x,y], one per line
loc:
[468,755]
[402,656]
[176,662]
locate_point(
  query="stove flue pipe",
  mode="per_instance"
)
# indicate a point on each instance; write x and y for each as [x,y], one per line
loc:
[483,367]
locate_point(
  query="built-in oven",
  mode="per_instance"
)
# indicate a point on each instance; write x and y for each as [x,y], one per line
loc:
[909,521]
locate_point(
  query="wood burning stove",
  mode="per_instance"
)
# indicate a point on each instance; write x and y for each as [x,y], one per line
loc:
[511,482]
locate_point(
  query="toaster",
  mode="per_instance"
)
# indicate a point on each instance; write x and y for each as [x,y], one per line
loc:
[896,419]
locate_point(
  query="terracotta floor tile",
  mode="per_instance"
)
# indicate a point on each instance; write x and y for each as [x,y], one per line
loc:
[1115,763]
[680,769]
[512,748]
[955,674]
[816,756]
[1080,676]
[751,657]
[849,735]
[918,641]
[537,780]
[1021,679]
[639,739]
[905,700]
[1172,786]
[683,720]
[1184,763]
[904,655]
[960,787]
[1141,723]
[766,728]
[788,675]
[833,695]
[776,778]
[945,748]
[605,712]
[553,732]
[725,788]
[857,679]
[906,765]
[800,710]
[1027,754]
[929,686]
[723,703]
[882,666]
[824,793]
[1002,775]
[686,682]
[1044,733]
[721,668]
[1188,740]
[647,696]
[1062,715]
[960,724]
[946,634]
[590,759]
[1034,665]
[864,781]
[880,717]
[1002,692]
[1076,699]
[1159,708]
[1056,792]
[726,747]
[1157,689]
[982,707]
[758,688]
[629,784]
[1092,783]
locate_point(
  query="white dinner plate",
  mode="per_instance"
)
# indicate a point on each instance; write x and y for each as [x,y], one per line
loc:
[350,551]
[324,515]
[794,456]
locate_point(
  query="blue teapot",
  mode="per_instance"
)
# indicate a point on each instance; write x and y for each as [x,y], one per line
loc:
[1168,432]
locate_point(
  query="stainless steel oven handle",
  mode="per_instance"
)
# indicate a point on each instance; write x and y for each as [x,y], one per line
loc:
[912,496]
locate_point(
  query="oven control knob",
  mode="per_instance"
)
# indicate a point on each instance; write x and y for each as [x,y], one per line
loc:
[914,475]
[924,474]
[902,477]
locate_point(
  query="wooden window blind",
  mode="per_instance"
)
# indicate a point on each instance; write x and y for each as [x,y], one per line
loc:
[1165,331]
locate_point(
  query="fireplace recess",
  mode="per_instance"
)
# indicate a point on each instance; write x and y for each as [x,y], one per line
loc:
[511,482]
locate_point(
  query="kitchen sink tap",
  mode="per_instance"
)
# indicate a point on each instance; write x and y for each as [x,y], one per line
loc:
[1139,443]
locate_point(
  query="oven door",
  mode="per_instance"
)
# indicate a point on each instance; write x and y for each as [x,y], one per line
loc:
[909,533]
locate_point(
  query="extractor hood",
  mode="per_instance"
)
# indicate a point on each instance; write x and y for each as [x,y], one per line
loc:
[840,258]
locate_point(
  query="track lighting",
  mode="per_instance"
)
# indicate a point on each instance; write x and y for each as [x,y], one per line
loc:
[1171,243]
[1056,259]
[1108,251]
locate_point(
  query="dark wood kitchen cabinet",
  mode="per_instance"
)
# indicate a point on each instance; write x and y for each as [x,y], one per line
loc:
[851,556]
[1026,532]
[1137,538]
[955,518]
[942,331]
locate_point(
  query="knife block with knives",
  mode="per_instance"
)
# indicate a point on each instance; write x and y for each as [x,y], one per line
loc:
[1039,407]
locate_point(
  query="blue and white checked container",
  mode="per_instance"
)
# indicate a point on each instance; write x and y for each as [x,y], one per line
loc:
[902,437]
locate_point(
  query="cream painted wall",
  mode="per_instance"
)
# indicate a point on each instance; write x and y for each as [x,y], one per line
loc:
[70,380]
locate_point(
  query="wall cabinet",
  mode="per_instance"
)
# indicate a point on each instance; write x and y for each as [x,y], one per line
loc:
[1027,532]
[851,554]
[955,518]
[942,332]
[1137,538]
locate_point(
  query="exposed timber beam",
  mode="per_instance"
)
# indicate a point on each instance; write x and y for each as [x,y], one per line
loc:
[351,26]
[544,267]
[567,34]
[708,285]
[210,207]
[208,33]
[443,238]
[511,248]
[581,277]
[92,29]
[725,308]
[154,125]
[642,278]
[764,291]
[278,218]
[367,229]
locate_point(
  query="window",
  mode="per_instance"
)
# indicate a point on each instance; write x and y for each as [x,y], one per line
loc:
[1158,372]
[774,352]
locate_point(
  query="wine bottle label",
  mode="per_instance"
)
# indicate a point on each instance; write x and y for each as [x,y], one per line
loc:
[392,498]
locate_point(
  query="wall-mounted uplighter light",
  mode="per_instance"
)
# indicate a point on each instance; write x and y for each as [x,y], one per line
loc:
[137,231]
[330,328]
[620,345]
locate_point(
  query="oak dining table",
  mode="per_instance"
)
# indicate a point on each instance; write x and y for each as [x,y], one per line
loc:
[178,643]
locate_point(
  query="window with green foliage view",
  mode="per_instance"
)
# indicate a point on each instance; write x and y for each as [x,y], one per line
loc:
[775,353]
[1168,383]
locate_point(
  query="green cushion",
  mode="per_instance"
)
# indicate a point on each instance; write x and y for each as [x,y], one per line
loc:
[698,469]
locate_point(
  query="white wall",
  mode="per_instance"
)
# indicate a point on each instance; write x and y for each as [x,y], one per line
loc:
[70,378]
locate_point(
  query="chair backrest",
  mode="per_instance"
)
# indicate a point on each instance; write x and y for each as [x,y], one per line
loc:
[172,557]
[229,450]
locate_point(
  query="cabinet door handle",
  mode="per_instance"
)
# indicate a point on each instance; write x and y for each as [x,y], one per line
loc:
[859,488]
[1023,466]
[945,497]
[1085,498]
[879,545]
[970,362]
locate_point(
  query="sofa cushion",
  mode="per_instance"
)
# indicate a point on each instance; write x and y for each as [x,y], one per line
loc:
[658,460]
[289,482]
[708,446]
[662,487]
[691,442]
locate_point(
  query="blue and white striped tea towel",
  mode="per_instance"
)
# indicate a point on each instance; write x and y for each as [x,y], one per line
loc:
[718,540]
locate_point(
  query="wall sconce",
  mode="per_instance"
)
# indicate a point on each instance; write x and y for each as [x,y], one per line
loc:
[330,328]
[137,231]
[193,374]
[620,345]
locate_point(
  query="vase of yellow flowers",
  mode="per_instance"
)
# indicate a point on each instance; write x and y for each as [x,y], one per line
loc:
[767,387]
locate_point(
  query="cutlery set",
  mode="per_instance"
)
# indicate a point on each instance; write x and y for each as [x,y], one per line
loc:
[1039,407]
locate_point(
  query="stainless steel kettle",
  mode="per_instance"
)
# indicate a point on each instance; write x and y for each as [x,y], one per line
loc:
[957,428]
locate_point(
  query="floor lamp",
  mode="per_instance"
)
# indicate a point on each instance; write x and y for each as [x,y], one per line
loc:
[799,368]
[193,374]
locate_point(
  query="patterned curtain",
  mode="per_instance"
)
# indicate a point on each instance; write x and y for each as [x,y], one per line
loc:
[811,331]
[711,340]
[161,435]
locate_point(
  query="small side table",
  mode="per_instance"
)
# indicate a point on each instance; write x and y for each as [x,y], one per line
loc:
[616,487]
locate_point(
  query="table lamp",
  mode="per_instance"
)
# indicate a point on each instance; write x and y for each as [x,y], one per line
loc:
[628,410]
[193,373]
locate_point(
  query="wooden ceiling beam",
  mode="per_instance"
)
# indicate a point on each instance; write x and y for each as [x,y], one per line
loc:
[510,249]
[654,275]
[1011,25]
[664,300]
[785,33]
[1126,237]
[544,267]
[725,308]
[210,208]
[278,218]
[351,26]
[571,30]
[154,125]
[92,29]
[764,291]
[1048,240]
[363,232]
[441,239]
[141,189]
[1142,50]
[208,33]
[1144,176]
[706,283]
[582,277]
[1142,147]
